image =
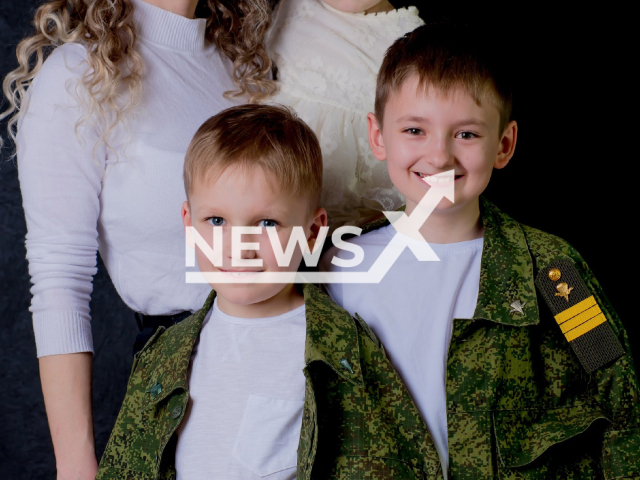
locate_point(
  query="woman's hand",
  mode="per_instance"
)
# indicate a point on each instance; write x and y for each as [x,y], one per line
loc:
[66,386]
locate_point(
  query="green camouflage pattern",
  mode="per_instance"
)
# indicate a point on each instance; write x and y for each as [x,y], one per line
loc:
[519,403]
[358,418]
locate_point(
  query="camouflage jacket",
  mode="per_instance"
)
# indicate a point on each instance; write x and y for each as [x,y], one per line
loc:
[520,404]
[358,419]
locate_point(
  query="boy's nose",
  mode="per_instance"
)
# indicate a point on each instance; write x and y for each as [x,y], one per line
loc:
[440,156]
[247,254]
[228,246]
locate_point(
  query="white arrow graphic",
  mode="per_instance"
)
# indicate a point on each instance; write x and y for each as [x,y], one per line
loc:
[410,225]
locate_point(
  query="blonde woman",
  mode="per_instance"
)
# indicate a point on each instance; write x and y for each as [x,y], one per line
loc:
[101,128]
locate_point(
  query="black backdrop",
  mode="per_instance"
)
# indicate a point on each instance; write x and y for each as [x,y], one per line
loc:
[573,174]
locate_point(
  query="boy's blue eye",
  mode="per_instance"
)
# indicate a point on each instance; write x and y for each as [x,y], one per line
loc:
[466,135]
[216,221]
[268,223]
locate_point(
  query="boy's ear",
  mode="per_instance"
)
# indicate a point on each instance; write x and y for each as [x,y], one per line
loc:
[186,221]
[319,220]
[376,143]
[507,145]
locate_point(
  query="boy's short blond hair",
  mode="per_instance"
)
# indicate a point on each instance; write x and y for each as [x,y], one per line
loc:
[447,56]
[272,138]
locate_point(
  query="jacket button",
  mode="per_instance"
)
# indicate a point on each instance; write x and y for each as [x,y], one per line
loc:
[176,412]
[344,363]
[555,274]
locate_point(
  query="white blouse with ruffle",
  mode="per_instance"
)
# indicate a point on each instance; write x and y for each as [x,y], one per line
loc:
[327,63]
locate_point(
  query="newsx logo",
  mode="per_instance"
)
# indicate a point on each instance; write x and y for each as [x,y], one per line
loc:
[407,235]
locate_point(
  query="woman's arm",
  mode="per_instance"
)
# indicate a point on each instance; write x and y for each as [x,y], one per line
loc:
[60,180]
[66,386]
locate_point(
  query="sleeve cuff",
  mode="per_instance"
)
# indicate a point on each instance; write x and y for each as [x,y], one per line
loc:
[60,332]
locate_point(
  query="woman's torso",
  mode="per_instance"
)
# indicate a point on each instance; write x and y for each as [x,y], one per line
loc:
[142,240]
[126,198]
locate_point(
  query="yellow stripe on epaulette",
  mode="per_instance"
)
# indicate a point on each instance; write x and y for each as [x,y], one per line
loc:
[578,315]
[577,309]
[585,327]
[580,319]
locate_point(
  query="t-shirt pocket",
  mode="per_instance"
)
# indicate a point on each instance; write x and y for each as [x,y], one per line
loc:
[268,437]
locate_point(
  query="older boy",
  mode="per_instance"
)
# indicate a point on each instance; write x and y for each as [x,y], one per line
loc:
[512,381]
[265,377]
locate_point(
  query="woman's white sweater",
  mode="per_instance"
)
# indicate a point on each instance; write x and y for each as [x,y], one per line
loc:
[79,199]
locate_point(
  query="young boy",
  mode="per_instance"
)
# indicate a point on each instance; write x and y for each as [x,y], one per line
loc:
[512,353]
[267,380]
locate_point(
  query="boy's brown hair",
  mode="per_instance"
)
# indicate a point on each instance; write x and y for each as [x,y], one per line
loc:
[446,56]
[272,138]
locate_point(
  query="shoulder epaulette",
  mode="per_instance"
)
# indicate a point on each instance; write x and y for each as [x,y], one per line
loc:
[578,315]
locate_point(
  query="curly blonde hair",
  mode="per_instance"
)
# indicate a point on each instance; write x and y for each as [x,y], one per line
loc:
[107,30]
[238,28]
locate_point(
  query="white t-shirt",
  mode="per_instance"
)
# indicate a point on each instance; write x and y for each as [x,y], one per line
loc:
[246,393]
[411,311]
[78,200]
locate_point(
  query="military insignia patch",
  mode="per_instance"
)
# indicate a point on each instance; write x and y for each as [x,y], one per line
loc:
[517,307]
[579,316]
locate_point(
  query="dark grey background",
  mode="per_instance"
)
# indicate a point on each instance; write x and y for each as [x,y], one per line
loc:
[573,174]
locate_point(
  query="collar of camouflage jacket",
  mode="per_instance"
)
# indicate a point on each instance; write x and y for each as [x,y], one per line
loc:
[332,338]
[168,356]
[506,271]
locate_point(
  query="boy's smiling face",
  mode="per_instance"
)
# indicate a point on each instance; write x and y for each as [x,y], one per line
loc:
[249,197]
[428,131]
